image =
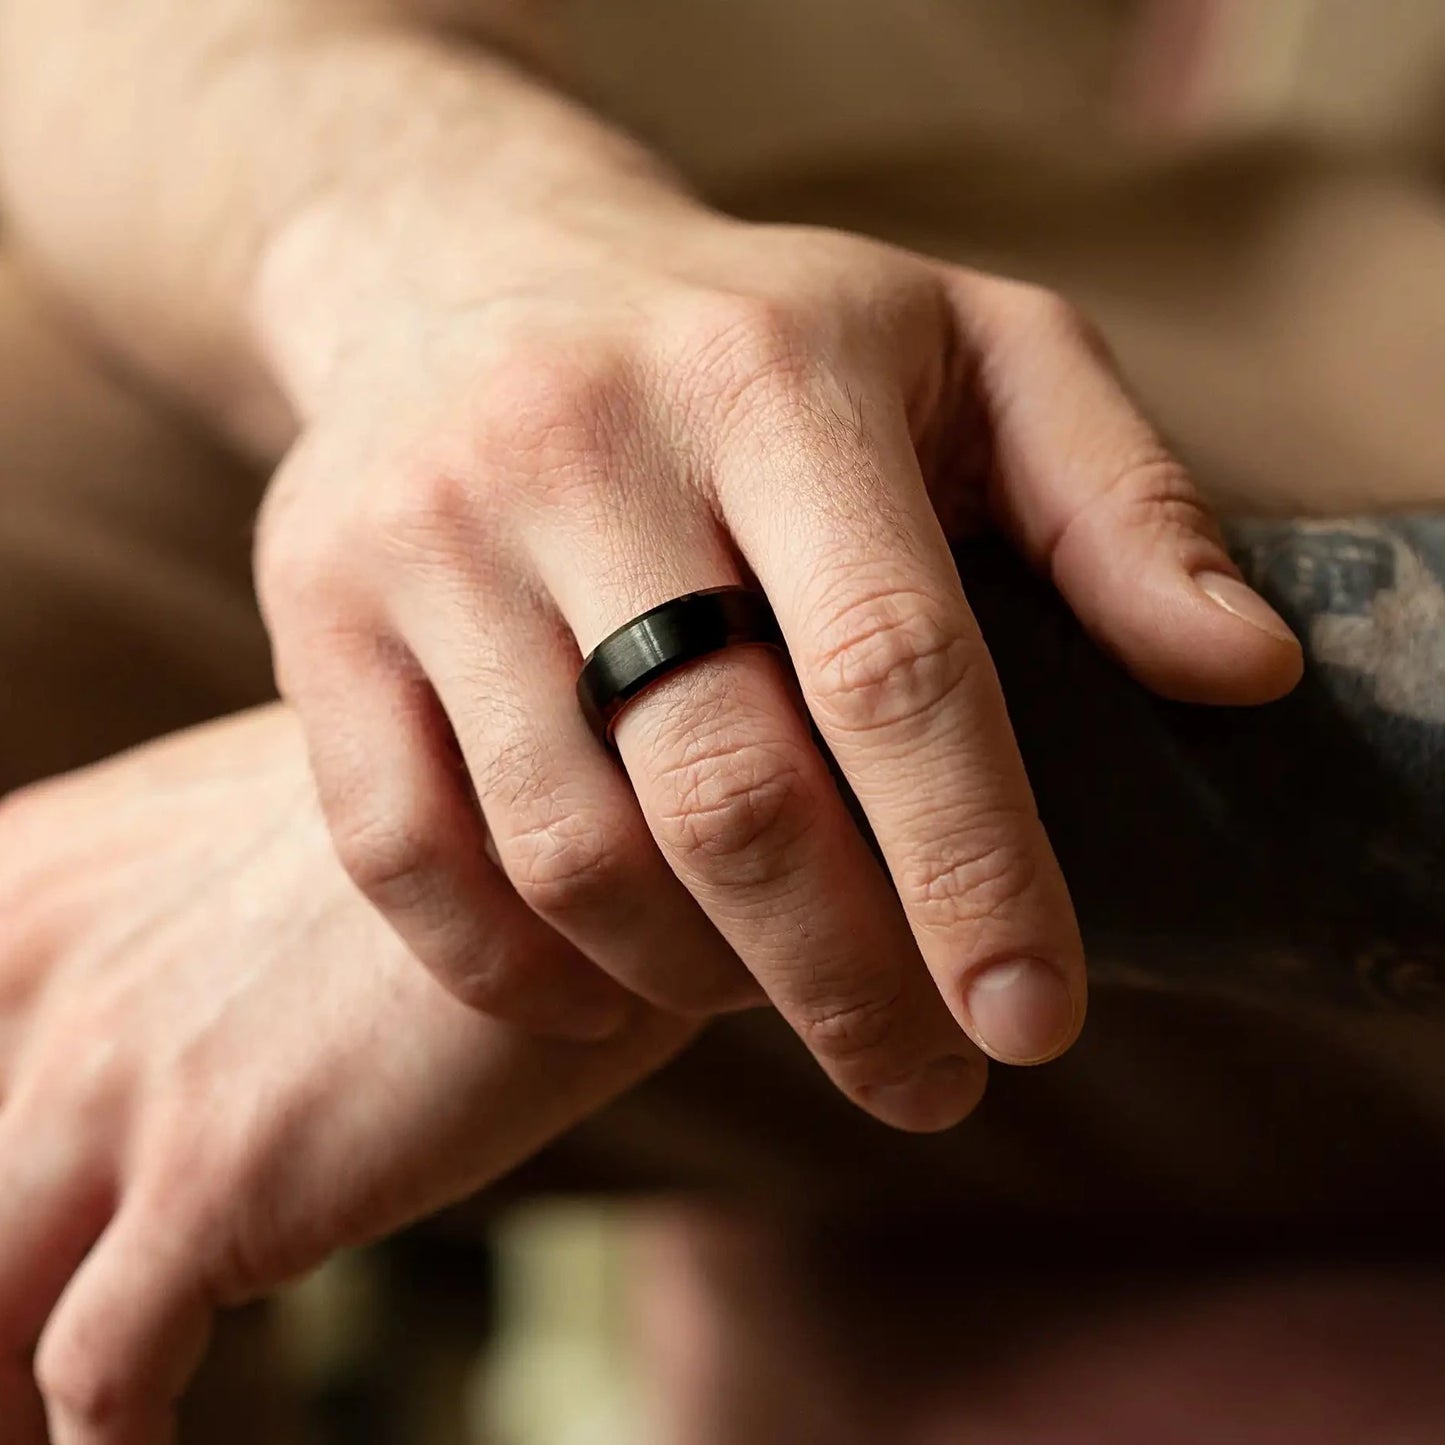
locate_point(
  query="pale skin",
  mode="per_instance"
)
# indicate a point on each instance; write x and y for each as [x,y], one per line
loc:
[526,387]
[166,913]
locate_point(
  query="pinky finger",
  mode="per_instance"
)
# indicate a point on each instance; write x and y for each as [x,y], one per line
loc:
[410,834]
[126,1337]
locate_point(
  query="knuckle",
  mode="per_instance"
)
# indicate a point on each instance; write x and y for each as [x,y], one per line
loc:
[90,1075]
[1053,322]
[298,575]
[989,869]
[1041,309]
[736,345]
[77,1371]
[857,1033]
[1150,494]
[564,864]
[249,1155]
[499,985]
[394,859]
[1149,473]
[300,569]
[80,1069]
[96,1089]
[547,411]
[887,660]
[423,507]
[270,541]
[240,1155]
[1154,486]
[734,812]
[1038,313]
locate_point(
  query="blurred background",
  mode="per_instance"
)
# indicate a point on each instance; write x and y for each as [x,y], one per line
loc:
[432,1340]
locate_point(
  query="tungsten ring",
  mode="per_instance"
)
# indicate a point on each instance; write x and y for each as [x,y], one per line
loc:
[664,639]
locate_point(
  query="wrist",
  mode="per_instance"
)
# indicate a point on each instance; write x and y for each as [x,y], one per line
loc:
[485,189]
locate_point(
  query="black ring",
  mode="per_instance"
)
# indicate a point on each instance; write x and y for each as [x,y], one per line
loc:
[665,638]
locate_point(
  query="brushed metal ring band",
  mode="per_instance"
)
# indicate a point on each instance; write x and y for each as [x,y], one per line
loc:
[664,639]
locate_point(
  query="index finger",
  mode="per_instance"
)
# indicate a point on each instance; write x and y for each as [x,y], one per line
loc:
[838,525]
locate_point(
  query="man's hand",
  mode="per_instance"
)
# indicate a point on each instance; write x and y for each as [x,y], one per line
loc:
[514,446]
[217,1066]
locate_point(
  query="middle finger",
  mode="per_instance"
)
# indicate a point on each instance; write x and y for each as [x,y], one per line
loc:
[836,520]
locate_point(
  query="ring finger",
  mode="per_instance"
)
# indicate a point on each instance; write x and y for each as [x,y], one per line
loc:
[562,820]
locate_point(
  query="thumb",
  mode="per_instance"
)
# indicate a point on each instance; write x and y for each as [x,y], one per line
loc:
[1084,486]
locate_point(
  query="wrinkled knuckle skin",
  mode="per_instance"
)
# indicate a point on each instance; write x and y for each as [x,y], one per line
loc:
[1151,495]
[565,865]
[857,1035]
[547,419]
[887,662]
[393,860]
[734,814]
[735,348]
[1156,487]
[992,869]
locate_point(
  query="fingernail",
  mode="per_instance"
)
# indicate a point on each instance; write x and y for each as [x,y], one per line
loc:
[1240,600]
[938,1096]
[1022,1011]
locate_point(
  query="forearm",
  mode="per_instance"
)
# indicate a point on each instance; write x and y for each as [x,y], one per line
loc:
[1292,849]
[154,154]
